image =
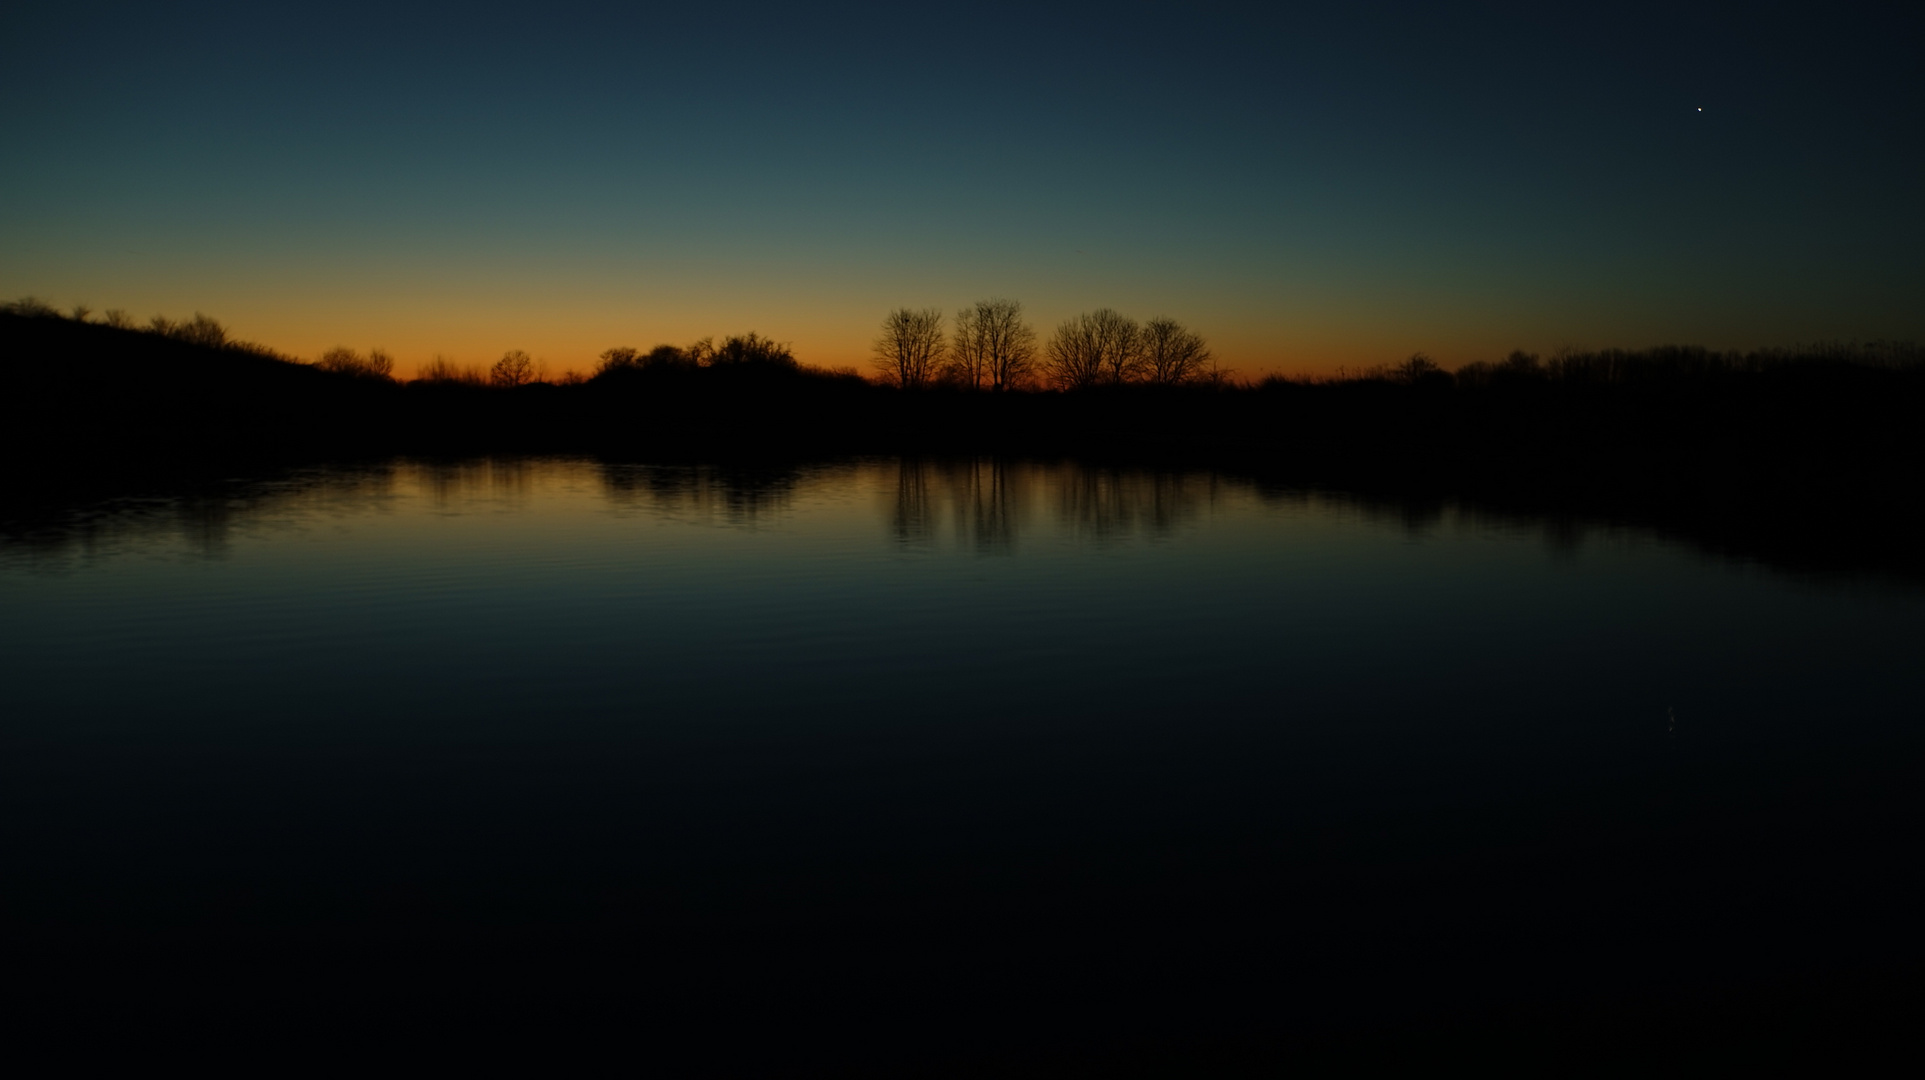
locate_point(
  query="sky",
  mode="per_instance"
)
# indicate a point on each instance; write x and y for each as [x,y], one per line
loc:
[1310,187]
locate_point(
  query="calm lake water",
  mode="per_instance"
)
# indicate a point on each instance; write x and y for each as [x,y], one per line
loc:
[1014,742]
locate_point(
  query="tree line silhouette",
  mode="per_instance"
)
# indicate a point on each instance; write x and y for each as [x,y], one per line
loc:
[742,352]
[991,347]
[1793,441]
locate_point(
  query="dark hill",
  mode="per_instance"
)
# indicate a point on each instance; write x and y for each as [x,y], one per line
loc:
[89,396]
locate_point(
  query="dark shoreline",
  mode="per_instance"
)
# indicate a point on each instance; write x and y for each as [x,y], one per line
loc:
[1814,466]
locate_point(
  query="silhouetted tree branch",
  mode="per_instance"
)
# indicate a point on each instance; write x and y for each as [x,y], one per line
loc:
[1172,353]
[345,361]
[992,346]
[513,369]
[910,349]
[1094,348]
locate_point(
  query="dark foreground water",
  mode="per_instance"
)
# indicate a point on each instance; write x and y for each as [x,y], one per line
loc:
[945,763]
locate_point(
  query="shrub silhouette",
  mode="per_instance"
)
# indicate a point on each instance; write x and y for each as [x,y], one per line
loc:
[661,357]
[201,330]
[445,371]
[751,350]
[1420,370]
[32,307]
[668,356]
[345,361]
[621,356]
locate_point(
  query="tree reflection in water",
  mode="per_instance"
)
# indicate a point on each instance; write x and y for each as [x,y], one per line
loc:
[510,481]
[986,506]
[982,499]
[737,496]
[988,502]
[1114,504]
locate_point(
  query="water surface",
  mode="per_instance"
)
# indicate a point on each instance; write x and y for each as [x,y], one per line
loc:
[1171,741]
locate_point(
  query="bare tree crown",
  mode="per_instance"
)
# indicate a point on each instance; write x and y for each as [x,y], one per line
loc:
[910,349]
[1173,353]
[993,347]
[1107,348]
[513,369]
[1096,348]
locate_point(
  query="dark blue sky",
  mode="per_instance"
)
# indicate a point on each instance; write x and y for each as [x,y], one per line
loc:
[1307,186]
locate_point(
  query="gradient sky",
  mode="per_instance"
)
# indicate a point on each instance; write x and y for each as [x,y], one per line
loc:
[1308,187]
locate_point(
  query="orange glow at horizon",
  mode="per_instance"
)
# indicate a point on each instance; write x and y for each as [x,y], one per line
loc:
[573,338]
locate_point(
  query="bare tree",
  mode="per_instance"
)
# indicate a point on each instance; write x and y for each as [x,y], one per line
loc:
[968,352]
[1121,342]
[1096,347]
[1173,353]
[910,349]
[1073,360]
[992,346]
[513,369]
